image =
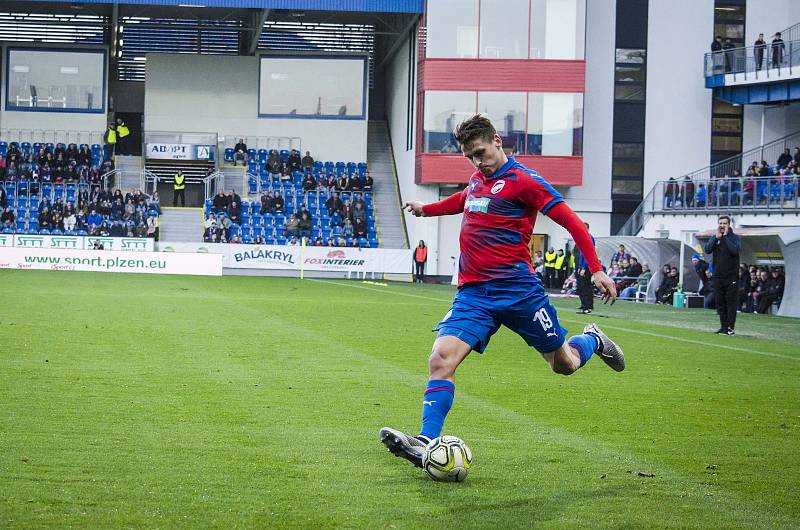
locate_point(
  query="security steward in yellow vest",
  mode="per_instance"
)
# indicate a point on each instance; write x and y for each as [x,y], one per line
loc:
[549,268]
[561,269]
[122,137]
[178,186]
[111,140]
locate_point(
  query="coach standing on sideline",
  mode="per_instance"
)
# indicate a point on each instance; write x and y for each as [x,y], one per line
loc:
[724,247]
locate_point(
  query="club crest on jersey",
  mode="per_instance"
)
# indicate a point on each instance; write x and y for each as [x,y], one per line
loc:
[498,186]
[477,204]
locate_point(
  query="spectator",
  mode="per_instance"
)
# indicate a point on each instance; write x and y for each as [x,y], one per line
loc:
[667,288]
[716,44]
[420,258]
[220,202]
[758,50]
[3,199]
[764,293]
[294,162]
[701,196]
[785,158]
[292,227]
[278,203]
[304,224]
[235,212]
[640,285]
[725,250]
[275,165]
[347,230]
[780,282]
[688,191]
[240,152]
[307,162]
[726,48]
[309,183]
[778,48]
[267,204]
[334,203]
[368,182]
[70,219]
[336,219]
[359,228]
[620,254]
[7,218]
[155,202]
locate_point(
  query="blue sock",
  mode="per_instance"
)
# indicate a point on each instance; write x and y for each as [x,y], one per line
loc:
[586,345]
[436,404]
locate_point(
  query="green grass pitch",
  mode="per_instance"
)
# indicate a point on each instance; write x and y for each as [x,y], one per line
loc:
[134,401]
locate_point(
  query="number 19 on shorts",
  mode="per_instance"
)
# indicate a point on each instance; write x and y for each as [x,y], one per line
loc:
[543,318]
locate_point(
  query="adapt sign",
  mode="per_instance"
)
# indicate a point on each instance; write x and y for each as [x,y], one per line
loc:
[77,242]
[161,151]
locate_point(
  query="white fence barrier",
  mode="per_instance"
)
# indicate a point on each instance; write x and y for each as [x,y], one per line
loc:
[288,257]
[110,261]
[77,242]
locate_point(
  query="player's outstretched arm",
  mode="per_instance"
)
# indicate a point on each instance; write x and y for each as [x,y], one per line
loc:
[451,205]
[563,215]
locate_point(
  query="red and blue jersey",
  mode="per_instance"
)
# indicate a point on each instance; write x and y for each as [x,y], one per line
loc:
[499,215]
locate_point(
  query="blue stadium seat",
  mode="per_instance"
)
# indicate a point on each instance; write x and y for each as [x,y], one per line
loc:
[318,166]
[49,147]
[229,154]
[3,148]
[252,184]
[33,203]
[284,154]
[262,157]
[70,193]
[21,225]
[44,232]
[373,243]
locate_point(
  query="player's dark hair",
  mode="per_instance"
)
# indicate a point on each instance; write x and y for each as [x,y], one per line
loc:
[477,126]
[721,217]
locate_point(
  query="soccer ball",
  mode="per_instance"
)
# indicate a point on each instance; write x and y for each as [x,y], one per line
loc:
[447,459]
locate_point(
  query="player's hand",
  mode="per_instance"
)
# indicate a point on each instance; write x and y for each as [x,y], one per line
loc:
[415,207]
[606,285]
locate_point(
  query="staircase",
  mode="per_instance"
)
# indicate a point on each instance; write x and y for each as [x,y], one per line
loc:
[181,224]
[193,171]
[129,169]
[385,193]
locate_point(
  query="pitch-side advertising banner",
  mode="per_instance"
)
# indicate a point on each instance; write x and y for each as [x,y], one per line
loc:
[180,151]
[77,242]
[110,261]
[288,257]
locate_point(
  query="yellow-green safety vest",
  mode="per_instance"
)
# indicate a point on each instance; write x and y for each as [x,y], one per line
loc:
[550,259]
[179,183]
[122,130]
[560,262]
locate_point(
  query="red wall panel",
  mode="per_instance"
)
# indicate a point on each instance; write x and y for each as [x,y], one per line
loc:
[519,75]
[435,168]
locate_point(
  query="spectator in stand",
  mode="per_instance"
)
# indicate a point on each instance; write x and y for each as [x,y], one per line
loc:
[267,205]
[620,254]
[292,226]
[359,228]
[764,293]
[3,198]
[356,182]
[7,218]
[778,49]
[154,202]
[334,203]
[278,203]
[759,47]
[305,224]
[671,193]
[240,152]
[688,191]
[667,288]
[93,219]
[785,159]
[234,197]
[344,183]
[152,227]
[630,272]
[235,212]
[701,196]
[640,284]
[275,165]
[716,44]
[368,182]
[347,230]
[309,183]
[336,219]
[220,202]
[331,183]
[294,162]
[307,162]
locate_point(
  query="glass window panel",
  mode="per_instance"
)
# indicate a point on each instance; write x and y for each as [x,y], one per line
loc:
[555,124]
[504,33]
[626,187]
[631,56]
[729,12]
[557,29]
[726,143]
[723,107]
[729,31]
[54,80]
[452,29]
[728,125]
[628,150]
[507,112]
[627,168]
[444,110]
[634,74]
[629,92]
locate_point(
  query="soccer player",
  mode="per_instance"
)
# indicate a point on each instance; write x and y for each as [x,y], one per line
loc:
[496,282]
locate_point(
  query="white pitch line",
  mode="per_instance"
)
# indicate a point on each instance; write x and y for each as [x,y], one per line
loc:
[609,326]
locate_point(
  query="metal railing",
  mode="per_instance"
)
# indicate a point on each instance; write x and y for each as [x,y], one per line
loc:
[725,168]
[51,136]
[791,33]
[757,63]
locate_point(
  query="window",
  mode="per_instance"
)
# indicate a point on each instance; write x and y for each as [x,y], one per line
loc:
[628,150]
[312,87]
[452,29]
[503,33]
[507,112]
[444,110]
[626,187]
[557,29]
[630,74]
[56,81]
[632,168]
[555,124]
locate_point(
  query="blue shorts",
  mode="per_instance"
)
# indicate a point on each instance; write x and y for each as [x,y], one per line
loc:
[522,306]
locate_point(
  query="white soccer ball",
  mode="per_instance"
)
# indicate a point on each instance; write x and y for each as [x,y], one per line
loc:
[447,459]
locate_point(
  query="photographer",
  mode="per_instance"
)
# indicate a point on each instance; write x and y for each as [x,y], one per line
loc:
[724,247]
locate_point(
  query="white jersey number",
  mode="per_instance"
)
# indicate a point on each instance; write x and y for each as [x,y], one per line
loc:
[543,318]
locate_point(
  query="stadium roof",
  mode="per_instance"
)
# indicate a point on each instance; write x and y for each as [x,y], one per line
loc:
[375,6]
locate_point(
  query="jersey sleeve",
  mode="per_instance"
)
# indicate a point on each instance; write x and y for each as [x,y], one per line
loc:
[563,215]
[537,193]
[451,205]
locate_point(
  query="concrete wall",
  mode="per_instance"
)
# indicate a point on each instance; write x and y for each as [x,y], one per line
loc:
[206,93]
[678,116]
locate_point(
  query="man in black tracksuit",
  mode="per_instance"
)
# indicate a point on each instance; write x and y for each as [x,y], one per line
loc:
[724,247]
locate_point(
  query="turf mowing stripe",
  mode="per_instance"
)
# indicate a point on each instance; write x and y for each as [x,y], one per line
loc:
[609,326]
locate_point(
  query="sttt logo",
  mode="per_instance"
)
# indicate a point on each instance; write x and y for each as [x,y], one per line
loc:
[5,241]
[134,244]
[30,241]
[336,254]
[63,242]
[107,242]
